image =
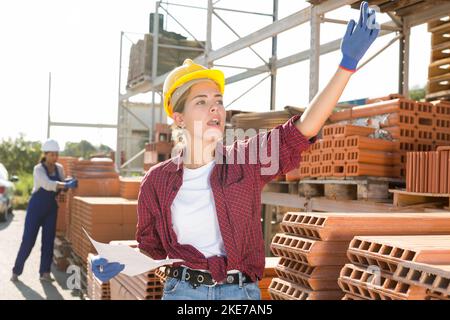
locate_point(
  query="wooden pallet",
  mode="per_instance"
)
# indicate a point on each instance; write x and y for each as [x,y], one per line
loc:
[349,188]
[403,198]
[288,187]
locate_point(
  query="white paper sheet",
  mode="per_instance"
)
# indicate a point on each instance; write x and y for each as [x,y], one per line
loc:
[135,262]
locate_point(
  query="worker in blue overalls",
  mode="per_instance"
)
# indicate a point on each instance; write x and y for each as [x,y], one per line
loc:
[49,180]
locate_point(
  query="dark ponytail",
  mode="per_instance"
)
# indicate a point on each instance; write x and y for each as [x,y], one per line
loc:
[42,159]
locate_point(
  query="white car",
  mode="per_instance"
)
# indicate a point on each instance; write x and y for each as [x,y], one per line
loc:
[6,192]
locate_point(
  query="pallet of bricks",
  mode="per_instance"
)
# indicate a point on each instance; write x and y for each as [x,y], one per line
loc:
[373,139]
[397,268]
[161,149]
[427,180]
[62,248]
[313,247]
[438,86]
[140,62]
[104,205]
[147,286]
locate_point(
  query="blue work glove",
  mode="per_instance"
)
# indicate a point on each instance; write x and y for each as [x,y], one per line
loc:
[71,184]
[358,39]
[104,270]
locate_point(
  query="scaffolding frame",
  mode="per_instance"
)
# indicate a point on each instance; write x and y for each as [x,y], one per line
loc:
[313,14]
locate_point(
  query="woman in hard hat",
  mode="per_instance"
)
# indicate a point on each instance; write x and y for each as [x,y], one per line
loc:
[204,205]
[49,180]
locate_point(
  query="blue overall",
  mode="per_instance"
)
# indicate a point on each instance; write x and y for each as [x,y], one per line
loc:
[41,212]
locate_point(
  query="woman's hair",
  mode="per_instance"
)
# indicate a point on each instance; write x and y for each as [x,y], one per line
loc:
[179,106]
[43,158]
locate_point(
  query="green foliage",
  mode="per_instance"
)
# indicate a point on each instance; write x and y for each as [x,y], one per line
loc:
[23,191]
[84,149]
[417,94]
[19,155]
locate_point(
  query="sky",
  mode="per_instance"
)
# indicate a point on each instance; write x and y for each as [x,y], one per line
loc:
[79,43]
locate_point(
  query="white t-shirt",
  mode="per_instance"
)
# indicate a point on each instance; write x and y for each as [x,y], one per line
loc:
[194,217]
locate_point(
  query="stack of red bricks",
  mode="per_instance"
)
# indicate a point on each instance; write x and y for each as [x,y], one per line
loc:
[392,268]
[161,149]
[439,71]
[313,247]
[67,163]
[62,198]
[147,286]
[95,179]
[347,151]
[104,218]
[428,172]
[129,187]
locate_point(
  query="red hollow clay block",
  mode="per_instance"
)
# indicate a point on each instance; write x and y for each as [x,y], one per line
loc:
[328,131]
[442,136]
[448,176]
[378,108]
[316,170]
[424,146]
[425,133]
[424,108]
[418,171]
[327,169]
[339,143]
[398,132]
[305,170]
[407,120]
[421,171]
[326,155]
[339,169]
[327,144]
[353,169]
[373,157]
[339,155]
[315,157]
[370,144]
[305,156]
[443,169]
[441,110]
[442,124]
[408,172]
[406,144]
[344,130]
[316,146]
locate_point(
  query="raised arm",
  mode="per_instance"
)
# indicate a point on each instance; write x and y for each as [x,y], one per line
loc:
[355,43]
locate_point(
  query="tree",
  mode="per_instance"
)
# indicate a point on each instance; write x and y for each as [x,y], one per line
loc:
[18,155]
[79,149]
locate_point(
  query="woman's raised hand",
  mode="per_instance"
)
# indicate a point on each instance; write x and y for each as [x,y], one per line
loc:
[359,37]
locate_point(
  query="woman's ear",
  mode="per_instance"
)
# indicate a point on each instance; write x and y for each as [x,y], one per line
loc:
[178,119]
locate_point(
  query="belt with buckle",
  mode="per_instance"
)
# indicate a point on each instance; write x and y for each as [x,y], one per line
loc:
[196,277]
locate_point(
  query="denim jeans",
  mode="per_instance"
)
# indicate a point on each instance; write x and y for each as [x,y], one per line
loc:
[178,289]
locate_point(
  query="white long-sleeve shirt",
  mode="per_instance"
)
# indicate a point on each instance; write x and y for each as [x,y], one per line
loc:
[41,180]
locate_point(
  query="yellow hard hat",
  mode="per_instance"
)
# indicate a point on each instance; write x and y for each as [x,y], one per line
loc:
[187,72]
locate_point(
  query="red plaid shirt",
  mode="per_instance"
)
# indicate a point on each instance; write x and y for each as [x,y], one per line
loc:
[237,194]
